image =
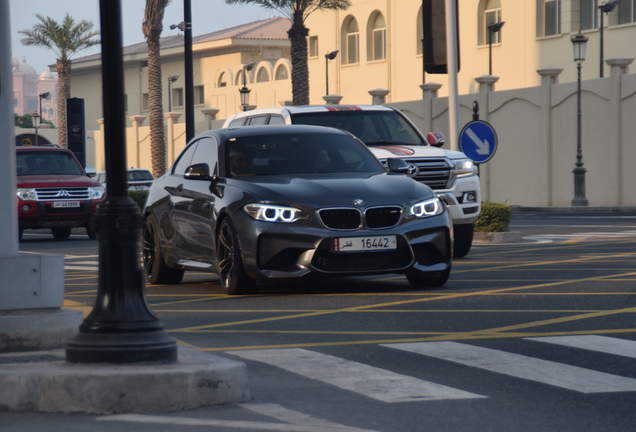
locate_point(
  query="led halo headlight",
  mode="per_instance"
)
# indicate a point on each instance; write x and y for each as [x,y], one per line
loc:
[96,192]
[274,213]
[27,194]
[464,167]
[430,207]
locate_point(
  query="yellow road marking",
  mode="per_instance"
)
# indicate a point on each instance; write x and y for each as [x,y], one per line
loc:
[70,304]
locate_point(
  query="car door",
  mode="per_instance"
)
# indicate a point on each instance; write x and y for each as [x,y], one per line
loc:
[197,203]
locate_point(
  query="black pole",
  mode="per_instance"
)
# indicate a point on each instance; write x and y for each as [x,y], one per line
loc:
[121,327]
[189,74]
[327,72]
[579,171]
[602,44]
[169,95]
[490,32]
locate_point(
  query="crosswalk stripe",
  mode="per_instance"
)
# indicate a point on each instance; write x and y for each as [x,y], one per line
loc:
[604,344]
[367,380]
[519,366]
[80,267]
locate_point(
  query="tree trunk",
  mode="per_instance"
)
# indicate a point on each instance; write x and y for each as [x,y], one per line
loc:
[300,73]
[157,135]
[64,92]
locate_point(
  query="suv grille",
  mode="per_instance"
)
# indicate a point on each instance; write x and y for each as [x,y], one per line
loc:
[46,194]
[383,217]
[435,173]
[341,219]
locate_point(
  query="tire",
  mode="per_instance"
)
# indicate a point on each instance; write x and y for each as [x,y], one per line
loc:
[20,234]
[463,239]
[421,280]
[91,228]
[61,233]
[232,275]
[155,267]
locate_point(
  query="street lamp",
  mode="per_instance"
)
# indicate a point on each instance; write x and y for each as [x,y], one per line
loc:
[35,117]
[579,44]
[329,56]
[492,28]
[171,79]
[245,92]
[606,7]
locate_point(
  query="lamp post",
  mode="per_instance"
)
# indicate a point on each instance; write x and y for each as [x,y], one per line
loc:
[329,56]
[245,92]
[579,44]
[492,28]
[606,7]
[171,79]
[35,117]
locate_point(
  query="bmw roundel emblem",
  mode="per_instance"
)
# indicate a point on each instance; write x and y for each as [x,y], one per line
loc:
[358,201]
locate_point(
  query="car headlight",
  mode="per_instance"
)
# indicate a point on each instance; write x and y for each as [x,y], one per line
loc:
[430,207]
[27,194]
[464,167]
[273,213]
[96,192]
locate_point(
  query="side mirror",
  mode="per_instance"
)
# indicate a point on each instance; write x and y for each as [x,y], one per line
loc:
[199,171]
[90,172]
[398,165]
[436,139]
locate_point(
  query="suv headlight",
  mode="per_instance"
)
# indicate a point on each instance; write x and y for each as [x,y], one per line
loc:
[27,194]
[464,167]
[273,213]
[430,207]
[96,192]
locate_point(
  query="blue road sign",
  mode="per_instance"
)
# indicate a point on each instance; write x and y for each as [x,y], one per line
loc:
[478,141]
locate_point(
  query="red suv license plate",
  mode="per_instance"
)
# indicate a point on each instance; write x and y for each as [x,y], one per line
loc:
[66,204]
[364,244]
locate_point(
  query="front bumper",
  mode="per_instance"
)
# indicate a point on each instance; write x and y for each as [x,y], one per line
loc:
[282,251]
[42,214]
[462,209]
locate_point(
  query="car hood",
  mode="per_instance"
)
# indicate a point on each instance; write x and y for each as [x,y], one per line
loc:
[321,190]
[56,181]
[407,151]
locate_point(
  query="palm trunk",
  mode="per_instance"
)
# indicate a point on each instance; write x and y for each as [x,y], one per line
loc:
[300,73]
[157,135]
[64,92]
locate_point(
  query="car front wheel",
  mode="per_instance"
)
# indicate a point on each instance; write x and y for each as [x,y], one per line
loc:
[233,277]
[463,239]
[61,233]
[157,271]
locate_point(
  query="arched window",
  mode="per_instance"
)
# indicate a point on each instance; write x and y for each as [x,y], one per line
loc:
[493,15]
[263,75]
[549,17]
[281,73]
[239,78]
[351,41]
[51,114]
[588,17]
[378,38]
[222,82]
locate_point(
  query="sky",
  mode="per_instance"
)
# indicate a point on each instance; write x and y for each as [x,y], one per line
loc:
[207,16]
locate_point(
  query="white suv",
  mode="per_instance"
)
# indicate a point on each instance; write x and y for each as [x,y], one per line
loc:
[390,134]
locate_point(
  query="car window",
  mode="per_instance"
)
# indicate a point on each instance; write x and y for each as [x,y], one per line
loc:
[276,120]
[302,153]
[236,123]
[47,163]
[371,127]
[257,120]
[185,159]
[207,152]
[140,175]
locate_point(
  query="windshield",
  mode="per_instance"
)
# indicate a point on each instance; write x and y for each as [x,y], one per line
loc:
[47,163]
[303,153]
[139,175]
[371,127]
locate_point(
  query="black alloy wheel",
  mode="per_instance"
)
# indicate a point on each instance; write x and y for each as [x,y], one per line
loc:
[157,272]
[233,277]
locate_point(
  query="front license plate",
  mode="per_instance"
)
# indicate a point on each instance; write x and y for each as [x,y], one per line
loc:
[66,204]
[364,244]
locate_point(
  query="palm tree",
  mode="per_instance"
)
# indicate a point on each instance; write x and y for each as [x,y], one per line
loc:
[298,11]
[65,40]
[152,28]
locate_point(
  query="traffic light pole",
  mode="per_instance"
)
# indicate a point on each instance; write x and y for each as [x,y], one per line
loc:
[453,68]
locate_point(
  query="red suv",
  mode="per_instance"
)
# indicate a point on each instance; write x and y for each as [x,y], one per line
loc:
[55,192]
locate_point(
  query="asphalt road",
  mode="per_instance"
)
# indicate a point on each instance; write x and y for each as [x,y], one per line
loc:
[534,336]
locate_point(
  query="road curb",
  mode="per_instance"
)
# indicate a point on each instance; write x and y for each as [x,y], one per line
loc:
[574,209]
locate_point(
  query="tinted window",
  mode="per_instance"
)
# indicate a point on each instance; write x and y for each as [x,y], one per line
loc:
[207,152]
[371,127]
[303,153]
[47,163]
[276,120]
[140,175]
[236,123]
[185,159]
[258,120]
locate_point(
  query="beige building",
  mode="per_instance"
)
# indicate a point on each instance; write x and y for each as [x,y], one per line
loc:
[28,85]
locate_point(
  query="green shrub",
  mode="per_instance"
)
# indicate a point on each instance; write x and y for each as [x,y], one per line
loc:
[139,196]
[494,217]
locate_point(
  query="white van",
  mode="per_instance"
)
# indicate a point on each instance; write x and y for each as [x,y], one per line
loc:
[390,134]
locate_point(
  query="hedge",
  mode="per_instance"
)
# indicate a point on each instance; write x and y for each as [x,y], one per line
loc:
[139,196]
[494,217]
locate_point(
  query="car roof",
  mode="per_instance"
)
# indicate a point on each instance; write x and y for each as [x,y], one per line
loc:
[300,109]
[225,134]
[41,148]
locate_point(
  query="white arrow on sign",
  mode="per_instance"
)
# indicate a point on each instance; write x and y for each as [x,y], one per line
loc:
[482,146]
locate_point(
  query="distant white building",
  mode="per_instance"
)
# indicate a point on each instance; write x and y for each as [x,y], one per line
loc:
[28,85]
